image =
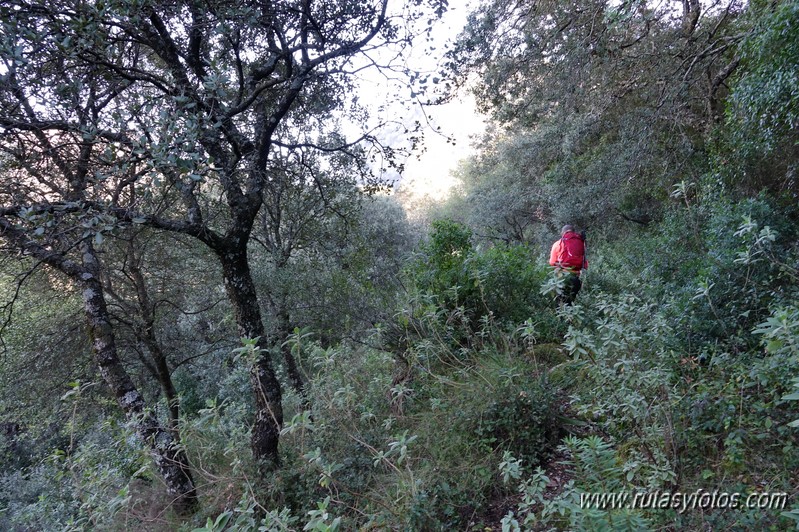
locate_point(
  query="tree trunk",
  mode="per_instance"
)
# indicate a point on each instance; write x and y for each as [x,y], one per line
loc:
[164,376]
[170,459]
[283,332]
[159,366]
[266,388]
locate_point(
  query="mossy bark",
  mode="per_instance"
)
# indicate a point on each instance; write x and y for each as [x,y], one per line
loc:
[266,388]
[170,458]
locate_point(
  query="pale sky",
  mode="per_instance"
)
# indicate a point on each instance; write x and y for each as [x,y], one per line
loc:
[428,171]
[431,174]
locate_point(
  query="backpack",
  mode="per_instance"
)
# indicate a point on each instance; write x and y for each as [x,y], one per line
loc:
[572,254]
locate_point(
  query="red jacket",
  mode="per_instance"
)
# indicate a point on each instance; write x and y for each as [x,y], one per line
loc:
[569,253]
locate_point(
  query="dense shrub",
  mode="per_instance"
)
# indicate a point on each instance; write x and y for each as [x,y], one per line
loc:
[521,420]
[502,281]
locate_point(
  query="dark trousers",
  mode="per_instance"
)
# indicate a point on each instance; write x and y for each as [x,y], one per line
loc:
[571,286]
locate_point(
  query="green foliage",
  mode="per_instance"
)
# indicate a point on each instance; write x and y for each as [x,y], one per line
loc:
[596,469]
[755,150]
[509,279]
[765,101]
[86,485]
[246,517]
[501,282]
[522,421]
[780,336]
[677,369]
[39,329]
[623,349]
[344,276]
[593,96]
[441,266]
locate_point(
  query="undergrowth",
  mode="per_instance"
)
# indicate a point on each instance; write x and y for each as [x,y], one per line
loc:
[458,415]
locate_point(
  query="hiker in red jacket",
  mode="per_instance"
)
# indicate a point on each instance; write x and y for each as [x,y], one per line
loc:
[568,257]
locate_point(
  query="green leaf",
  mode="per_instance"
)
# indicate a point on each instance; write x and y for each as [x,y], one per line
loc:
[774,345]
[222,520]
[793,514]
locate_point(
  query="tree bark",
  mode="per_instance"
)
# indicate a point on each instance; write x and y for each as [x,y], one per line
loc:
[266,388]
[169,457]
[160,366]
[283,332]
[690,16]
[164,375]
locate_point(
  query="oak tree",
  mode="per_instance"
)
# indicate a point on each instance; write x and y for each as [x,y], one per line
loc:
[186,111]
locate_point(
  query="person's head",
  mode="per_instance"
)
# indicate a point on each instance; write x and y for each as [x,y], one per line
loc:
[567,229]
